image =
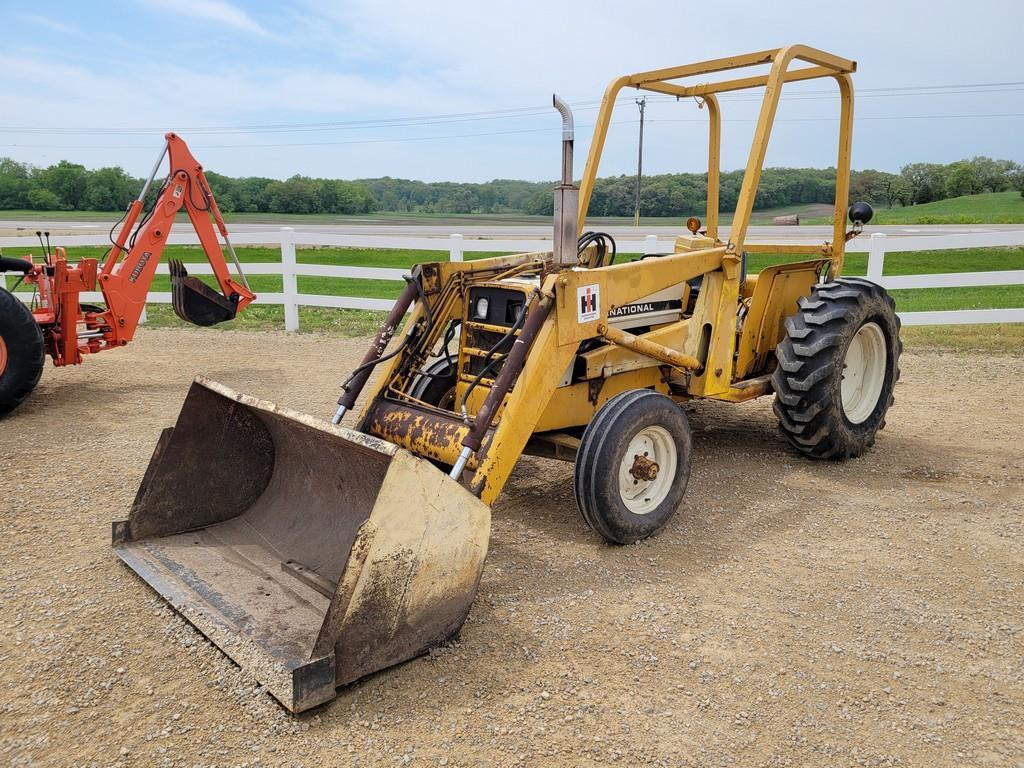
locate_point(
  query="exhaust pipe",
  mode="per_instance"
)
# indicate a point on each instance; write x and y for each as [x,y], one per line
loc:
[567,137]
[564,250]
[567,195]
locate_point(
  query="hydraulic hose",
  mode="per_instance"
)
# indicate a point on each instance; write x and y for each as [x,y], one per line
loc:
[514,362]
[489,360]
[353,386]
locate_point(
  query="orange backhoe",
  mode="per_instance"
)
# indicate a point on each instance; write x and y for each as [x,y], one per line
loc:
[59,325]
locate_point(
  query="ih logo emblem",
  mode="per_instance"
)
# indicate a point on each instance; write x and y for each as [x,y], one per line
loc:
[588,302]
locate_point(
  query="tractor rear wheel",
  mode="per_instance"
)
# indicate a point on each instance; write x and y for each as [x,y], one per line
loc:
[632,466]
[838,366]
[21,352]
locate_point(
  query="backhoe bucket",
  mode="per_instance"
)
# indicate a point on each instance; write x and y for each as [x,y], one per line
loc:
[309,553]
[194,301]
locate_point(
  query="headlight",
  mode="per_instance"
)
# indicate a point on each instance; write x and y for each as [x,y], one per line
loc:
[480,310]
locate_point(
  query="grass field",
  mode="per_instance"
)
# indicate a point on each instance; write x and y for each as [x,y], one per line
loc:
[359,323]
[764,216]
[991,208]
[988,208]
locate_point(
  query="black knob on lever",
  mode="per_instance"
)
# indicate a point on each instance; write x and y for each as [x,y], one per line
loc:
[860,214]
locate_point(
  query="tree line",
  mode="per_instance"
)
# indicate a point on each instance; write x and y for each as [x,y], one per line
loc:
[68,186]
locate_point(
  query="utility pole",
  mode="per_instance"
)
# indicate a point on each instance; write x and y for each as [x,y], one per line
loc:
[642,103]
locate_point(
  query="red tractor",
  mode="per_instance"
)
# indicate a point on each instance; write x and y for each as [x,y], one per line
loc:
[59,325]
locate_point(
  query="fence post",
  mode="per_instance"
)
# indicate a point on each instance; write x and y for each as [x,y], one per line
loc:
[142,317]
[454,247]
[650,245]
[876,257]
[288,279]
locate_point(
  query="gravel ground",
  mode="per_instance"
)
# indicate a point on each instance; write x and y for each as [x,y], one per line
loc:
[793,613]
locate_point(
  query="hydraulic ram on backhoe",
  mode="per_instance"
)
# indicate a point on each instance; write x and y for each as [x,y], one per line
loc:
[314,554]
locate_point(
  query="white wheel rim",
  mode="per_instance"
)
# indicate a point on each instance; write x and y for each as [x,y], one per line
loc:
[650,444]
[863,373]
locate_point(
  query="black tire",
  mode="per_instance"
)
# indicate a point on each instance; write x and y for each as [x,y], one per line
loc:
[23,354]
[600,458]
[813,357]
[436,385]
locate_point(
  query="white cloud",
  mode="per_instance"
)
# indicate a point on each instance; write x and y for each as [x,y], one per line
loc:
[322,60]
[188,97]
[46,21]
[212,10]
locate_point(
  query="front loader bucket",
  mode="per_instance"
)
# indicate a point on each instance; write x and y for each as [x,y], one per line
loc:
[310,554]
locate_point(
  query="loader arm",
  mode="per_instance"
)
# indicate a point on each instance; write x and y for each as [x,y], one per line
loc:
[128,270]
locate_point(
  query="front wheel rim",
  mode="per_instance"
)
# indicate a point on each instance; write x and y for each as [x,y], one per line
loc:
[864,369]
[3,356]
[651,451]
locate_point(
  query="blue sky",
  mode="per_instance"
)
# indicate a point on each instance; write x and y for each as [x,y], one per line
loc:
[98,83]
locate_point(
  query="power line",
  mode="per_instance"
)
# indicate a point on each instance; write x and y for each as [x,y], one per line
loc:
[932,87]
[496,114]
[297,143]
[547,129]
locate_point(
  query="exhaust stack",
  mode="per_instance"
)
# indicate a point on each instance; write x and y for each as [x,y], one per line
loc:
[567,195]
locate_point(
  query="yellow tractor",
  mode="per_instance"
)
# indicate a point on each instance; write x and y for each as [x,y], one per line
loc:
[314,553]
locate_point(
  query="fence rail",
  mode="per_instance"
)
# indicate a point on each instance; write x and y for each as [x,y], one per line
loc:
[287,238]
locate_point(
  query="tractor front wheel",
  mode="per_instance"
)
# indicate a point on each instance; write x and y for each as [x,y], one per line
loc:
[837,369]
[632,466]
[21,352]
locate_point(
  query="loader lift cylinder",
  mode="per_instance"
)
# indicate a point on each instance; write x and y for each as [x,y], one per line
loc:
[373,355]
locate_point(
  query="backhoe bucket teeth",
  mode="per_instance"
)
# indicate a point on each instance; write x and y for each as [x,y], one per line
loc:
[194,301]
[309,553]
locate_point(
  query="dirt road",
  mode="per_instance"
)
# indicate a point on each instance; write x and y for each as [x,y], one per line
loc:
[793,613]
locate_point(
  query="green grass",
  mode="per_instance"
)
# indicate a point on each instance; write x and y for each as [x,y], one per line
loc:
[925,262]
[359,323]
[987,208]
[918,299]
[359,257]
[29,215]
[356,257]
[982,297]
[1005,338]
[336,322]
[763,216]
[918,262]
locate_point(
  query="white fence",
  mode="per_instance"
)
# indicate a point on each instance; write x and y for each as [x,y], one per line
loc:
[290,270]
[878,243]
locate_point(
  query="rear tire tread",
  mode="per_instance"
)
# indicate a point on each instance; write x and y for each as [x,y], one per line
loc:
[807,404]
[26,353]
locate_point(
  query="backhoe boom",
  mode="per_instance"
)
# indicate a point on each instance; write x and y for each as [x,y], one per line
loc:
[70,330]
[125,281]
